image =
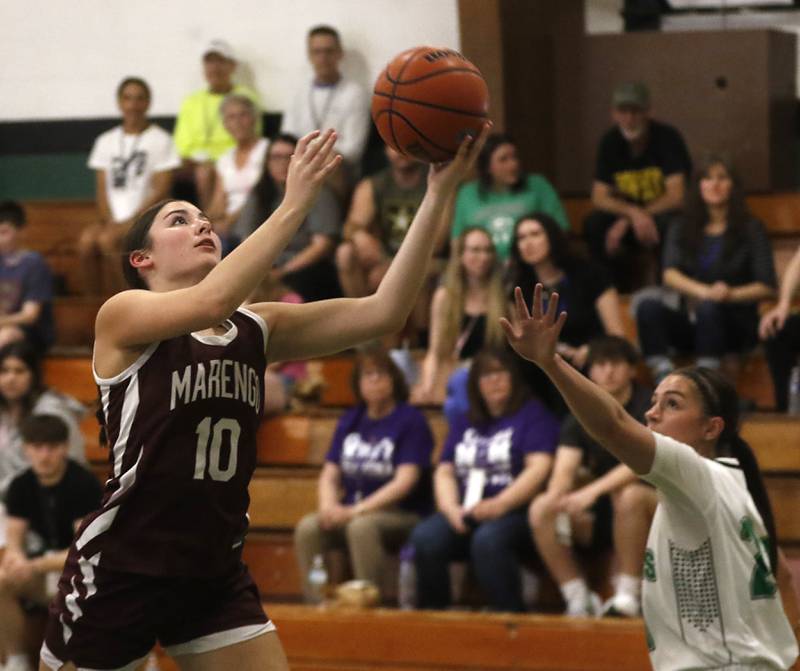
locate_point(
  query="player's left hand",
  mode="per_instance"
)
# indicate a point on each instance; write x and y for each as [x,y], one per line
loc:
[444,178]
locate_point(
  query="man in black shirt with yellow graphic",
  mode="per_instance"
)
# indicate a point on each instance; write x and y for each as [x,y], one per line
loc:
[640,176]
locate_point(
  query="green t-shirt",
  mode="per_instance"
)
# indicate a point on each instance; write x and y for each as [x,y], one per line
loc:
[498,213]
[199,133]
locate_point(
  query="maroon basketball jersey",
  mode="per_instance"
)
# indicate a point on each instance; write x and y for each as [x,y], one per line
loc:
[181,424]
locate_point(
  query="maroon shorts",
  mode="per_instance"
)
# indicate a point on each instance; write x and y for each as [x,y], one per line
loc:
[105,619]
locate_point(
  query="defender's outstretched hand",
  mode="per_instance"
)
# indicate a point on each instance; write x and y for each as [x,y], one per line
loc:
[534,335]
[445,177]
[313,160]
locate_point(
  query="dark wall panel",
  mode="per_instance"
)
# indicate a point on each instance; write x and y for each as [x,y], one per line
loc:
[727,91]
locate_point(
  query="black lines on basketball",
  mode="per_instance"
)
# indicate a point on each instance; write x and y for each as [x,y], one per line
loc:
[431,75]
[444,108]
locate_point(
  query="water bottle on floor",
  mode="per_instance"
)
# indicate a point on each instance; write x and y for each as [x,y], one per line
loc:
[317,580]
[794,391]
[407,582]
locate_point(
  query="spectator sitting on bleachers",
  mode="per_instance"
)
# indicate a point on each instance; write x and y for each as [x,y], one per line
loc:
[495,459]
[330,100]
[781,332]
[26,311]
[718,259]
[200,136]
[45,505]
[587,484]
[465,314]
[373,486]
[502,193]
[239,168]
[380,213]
[540,253]
[133,164]
[306,264]
[639,182]
[23,393]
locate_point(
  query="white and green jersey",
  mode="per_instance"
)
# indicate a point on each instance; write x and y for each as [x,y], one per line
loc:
[710,600]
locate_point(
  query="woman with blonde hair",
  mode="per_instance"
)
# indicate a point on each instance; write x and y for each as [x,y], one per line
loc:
[465,313]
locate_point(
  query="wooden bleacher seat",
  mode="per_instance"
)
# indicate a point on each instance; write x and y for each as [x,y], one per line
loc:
[780,212]
[319,638]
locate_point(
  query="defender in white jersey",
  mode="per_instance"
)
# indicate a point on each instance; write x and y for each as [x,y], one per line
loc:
[710,596]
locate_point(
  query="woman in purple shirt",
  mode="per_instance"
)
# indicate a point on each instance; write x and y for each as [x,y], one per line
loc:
[494,460]
[371,489]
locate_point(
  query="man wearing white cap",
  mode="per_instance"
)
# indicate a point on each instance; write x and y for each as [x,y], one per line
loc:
[200,136]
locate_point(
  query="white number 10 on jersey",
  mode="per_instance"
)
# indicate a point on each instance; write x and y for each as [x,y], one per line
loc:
[209,455]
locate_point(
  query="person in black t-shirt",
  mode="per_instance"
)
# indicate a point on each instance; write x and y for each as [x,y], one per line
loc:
[640,176]
[592,500]
[44,505]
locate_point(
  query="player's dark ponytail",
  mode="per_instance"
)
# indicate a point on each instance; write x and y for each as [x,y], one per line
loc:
[720,400]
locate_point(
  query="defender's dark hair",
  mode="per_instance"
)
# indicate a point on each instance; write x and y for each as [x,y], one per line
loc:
[30,357]
[47,429]
[485,160]
[485,360]
[377,356]
[138,237]
[134,80]
[11,212]
[720,400]
[612,348]
[324,29]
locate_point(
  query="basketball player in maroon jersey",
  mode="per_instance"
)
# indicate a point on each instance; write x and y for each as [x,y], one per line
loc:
[180,366]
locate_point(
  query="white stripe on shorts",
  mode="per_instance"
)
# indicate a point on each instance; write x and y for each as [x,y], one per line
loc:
[220,639]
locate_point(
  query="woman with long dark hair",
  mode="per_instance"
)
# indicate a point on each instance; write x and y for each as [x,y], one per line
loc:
[496,457]
[541,253]
[710,596]
[180,368]
[502,193]
[22,394]
[718,260]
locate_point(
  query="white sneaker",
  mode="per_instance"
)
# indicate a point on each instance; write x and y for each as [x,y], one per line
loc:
[621,605]
[592,606]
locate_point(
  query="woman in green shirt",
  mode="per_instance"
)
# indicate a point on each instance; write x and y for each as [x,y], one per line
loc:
[502,193]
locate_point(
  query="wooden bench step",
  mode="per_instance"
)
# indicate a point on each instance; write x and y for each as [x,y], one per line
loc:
[319,638]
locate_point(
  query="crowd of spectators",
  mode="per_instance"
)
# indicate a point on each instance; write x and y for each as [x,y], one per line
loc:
[517,482]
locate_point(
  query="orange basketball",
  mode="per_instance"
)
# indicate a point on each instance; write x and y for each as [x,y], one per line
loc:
[427,100]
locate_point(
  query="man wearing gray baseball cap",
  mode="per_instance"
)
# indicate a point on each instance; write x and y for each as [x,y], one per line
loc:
[640,175]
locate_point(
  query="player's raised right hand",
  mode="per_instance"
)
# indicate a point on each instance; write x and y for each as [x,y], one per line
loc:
[314,159]
[534,336]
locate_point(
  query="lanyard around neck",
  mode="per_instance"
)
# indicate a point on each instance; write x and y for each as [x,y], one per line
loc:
[318,119]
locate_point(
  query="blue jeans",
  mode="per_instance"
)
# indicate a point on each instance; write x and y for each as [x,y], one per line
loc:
[456,402]
[492,547]
[719,328]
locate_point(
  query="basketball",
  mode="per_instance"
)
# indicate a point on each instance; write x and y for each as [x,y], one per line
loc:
[427,100]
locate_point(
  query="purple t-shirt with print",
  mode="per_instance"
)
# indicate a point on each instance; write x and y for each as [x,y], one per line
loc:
[369,450]
[500,447]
